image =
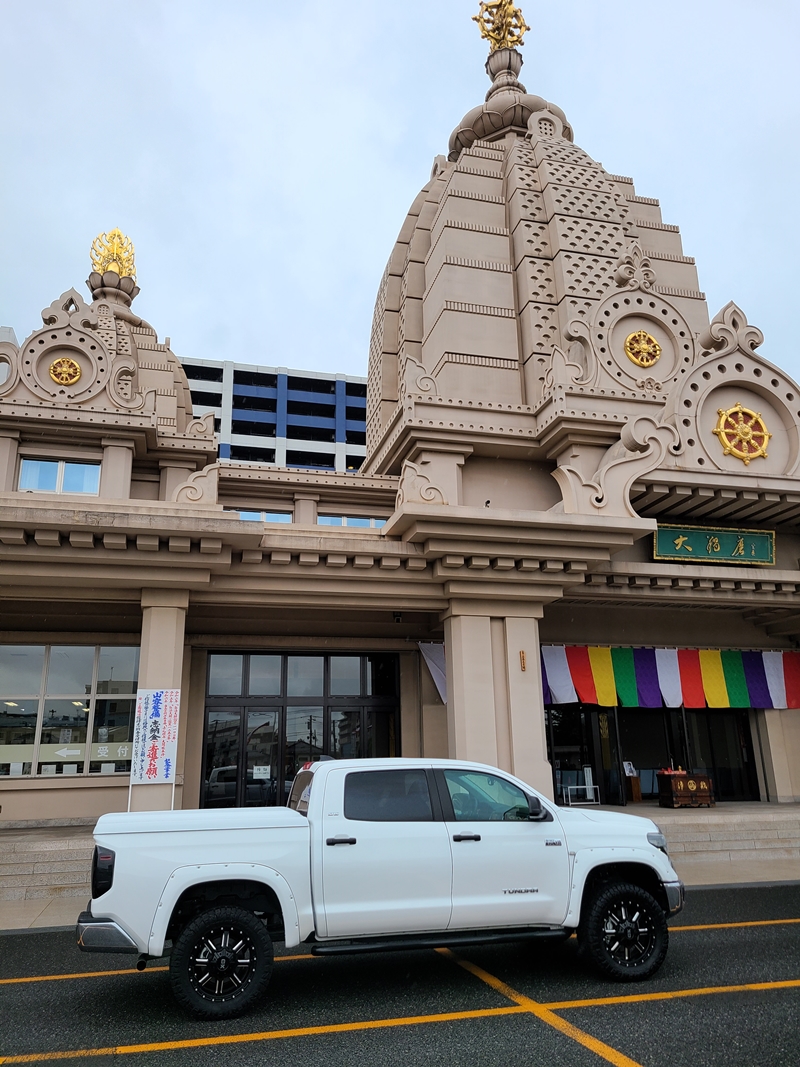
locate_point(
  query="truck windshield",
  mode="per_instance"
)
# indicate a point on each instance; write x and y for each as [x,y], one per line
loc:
[301,791]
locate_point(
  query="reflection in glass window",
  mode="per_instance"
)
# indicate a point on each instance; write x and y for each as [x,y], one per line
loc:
[81,478]
[112,735]
[62,745]
[387,796]
[346,734]
[265,676]
[21,669]
[38,475]
[70,669]
[381,675]
[17,735]
[304,676]
[262,516]
[305,739]
[59,476]
[118,670]
[345,675]
[479,797]
[351,520]
[261,785]
[224,675]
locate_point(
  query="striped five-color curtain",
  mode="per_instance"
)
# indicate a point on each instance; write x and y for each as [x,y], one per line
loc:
[656,677]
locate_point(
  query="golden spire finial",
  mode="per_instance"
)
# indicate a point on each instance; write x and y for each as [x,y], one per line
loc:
[113,251]
[501,24]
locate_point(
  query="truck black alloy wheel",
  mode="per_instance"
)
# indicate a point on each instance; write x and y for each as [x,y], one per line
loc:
[625,933]
[221,963]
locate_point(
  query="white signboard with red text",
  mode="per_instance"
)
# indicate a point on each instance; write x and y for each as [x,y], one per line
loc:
[155,737]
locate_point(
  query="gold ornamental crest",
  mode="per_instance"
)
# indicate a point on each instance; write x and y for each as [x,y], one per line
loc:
[65,371]
[501,23]
[742,433]
[642,349]
[114,251]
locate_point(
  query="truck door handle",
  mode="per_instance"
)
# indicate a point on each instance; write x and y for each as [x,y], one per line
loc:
[466,837]
[340,841]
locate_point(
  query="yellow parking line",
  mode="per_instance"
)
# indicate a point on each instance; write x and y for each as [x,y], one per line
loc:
[636,998]
[543,1012]
[268,1035]
[737,926]
[126,970]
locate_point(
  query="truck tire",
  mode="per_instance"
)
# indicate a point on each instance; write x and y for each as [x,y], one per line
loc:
[624,932]
[221,963]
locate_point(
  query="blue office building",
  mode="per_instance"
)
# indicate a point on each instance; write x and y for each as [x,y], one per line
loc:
[286,418]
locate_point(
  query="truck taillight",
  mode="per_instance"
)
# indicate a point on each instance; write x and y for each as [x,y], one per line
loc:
[102,870]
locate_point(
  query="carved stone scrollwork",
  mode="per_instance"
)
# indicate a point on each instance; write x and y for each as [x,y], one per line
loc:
[415,379]
[417,488]
[202,426]
[634,270]
[730,331]
[563,369]
[642,446]
[70,310]
[199,488]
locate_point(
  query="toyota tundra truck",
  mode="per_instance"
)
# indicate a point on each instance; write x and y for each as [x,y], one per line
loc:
[375,855]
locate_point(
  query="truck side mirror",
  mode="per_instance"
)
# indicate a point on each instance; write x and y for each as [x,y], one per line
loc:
[535,810]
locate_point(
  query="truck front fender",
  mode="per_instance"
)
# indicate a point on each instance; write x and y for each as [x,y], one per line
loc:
[297,917]
[588,860]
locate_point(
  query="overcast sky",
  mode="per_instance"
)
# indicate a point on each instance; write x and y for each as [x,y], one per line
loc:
[262,154]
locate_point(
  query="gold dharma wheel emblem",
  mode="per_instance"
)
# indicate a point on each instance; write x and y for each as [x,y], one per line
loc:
[642,349]
[65,371]
[742,433]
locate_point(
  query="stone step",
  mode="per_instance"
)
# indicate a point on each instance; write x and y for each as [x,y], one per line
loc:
[66,855]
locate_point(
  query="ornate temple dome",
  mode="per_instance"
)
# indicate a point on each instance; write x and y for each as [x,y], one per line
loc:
[534,306]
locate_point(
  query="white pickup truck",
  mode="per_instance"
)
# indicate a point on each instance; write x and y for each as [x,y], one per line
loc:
[375,855]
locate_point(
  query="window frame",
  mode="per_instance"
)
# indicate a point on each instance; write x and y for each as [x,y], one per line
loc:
[433,796]
[91,699]
[61,469]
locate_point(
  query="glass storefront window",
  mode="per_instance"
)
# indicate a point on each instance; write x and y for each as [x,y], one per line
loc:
[17,736]
[70,670]
[381,675]
[117,670]
[57,724]
[62,744]
[21,669]
[265,676]
[346,734]
[112,735]
[345,675]
[225,675]
[304,676]
[305,739]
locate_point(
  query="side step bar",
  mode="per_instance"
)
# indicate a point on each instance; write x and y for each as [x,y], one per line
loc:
[417,941]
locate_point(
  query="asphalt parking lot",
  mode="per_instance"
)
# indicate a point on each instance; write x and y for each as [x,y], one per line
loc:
[729,992]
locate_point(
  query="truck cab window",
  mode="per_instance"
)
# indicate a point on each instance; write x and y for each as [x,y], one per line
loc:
[388,796]
[301,792]
[479,797]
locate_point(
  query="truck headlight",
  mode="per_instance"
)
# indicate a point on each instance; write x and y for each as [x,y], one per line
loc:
[658,841]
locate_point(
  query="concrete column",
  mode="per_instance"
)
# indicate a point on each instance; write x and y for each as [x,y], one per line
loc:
[115,470]
[305,508]
[776,757]
[161,667]
[470,689]
[526,705]
[174,472]
[495,710]
[9,443]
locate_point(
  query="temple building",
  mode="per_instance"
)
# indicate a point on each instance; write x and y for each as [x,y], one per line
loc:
[571,550]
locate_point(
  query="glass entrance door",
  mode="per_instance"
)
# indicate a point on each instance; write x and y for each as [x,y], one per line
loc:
[584,753]
[268,714]
[721,746]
